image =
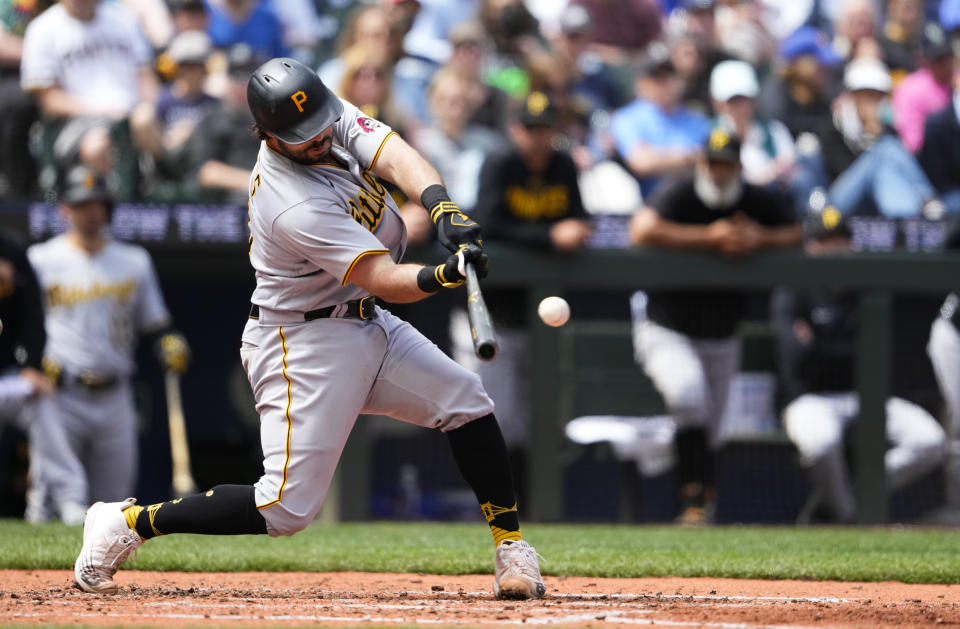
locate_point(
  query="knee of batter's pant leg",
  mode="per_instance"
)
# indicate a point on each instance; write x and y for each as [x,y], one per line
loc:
[470,402]
[281,521]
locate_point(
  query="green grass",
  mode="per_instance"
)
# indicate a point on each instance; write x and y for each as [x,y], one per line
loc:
[850,554]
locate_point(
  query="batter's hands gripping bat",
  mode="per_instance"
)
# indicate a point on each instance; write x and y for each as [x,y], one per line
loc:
[481,326]
[180,454]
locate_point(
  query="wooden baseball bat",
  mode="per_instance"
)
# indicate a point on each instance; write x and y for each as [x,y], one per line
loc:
[481,326]
[183,483]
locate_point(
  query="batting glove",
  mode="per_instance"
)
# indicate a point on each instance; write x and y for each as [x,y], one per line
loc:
[173,352]
[452,273]
[454,228]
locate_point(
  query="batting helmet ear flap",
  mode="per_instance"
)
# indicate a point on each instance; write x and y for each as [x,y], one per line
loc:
[288,100]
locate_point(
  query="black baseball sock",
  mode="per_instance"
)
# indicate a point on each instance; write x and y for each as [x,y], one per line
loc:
[695,463]
[223,510]
[481,455]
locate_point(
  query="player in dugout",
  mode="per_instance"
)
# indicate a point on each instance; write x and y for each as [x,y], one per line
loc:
[99,295]
[686,341]
[816,340]
[326,241]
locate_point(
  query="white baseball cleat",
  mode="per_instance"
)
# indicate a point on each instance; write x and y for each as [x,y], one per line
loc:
[107,542]
[517,572]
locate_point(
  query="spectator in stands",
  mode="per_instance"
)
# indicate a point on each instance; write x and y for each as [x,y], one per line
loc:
[251,22]
[686,341]
[181,105]
[940,154]
[17,169]
[695,50]
[767,152]
[901,39]
[300,27]
[816,338]
[798,93]
[622,28]
[154,19]
[452,143]
[527,195]
[655,135]
[491,105]
[366,82]
[741,33]
[586,77]
[927,90]
[944,352]
[519,60]
[189,15]
[221,150]
[366,27]
[856,20]
[90,69]
[870,169]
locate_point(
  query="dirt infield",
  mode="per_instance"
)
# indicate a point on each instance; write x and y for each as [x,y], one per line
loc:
[44,597]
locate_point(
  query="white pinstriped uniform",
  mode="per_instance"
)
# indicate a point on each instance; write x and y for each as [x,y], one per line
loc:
[309,226]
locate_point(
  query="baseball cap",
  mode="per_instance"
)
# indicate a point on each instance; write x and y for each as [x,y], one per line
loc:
[655,57]
[936,43]
[242,61]
[190,47]
[722,146]
[867,73]
[733,78]
[82,185]
[575,19]
[807,40]
[823,224]
[537,110]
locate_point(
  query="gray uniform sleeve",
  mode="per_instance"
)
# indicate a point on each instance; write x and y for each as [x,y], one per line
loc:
[151,311]
[361,135]
[327,237]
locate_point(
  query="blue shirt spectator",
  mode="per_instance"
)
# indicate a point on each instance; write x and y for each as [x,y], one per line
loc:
[252,22]
[654,134]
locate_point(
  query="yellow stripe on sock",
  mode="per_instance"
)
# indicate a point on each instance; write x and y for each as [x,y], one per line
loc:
[490,510]
[131,513]
[500,535]
[151,514]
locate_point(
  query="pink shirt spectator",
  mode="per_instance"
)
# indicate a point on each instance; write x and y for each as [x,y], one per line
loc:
[917,96]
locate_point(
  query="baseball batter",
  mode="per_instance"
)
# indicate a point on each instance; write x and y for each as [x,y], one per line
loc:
[99,295]
[326,239]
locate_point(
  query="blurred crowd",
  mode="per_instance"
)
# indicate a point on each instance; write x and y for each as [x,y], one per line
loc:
[850,103]
[722,125]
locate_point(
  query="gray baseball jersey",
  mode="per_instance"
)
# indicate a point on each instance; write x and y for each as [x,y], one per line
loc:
[96,305]
[310,225]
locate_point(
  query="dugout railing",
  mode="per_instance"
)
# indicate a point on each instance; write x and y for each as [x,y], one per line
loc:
[875,276]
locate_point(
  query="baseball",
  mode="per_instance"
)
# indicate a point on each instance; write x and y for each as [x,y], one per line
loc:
[554,311]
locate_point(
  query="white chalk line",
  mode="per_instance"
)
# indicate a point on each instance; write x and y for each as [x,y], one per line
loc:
[612,618]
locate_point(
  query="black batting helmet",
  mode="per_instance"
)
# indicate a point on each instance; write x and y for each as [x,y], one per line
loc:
[290,101]
[82,185]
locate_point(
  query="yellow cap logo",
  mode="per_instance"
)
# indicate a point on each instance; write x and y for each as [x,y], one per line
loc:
[89,179]
[830,217]
[537,102]
[299,98]
[719,139]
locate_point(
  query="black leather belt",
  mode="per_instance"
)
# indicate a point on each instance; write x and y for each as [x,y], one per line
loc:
[89,380]
[365,308]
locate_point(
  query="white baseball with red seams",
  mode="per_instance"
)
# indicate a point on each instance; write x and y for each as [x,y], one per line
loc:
[554,311]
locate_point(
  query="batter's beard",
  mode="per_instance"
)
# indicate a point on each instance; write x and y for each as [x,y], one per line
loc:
[301,156]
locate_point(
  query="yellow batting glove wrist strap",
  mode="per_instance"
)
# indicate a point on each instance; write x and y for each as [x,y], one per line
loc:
[443,207]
